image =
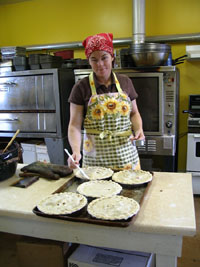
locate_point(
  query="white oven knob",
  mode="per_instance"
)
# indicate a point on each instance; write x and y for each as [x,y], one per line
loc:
[169,124]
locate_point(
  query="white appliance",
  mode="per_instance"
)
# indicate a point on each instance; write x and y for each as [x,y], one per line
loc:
[193,142]
[193,152]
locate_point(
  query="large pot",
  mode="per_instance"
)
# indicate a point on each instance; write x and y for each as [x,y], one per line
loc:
[150,54]
[145,55]
[8,160]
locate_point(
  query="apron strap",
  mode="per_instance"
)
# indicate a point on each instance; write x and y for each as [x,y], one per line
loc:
[92,84]
[119,89]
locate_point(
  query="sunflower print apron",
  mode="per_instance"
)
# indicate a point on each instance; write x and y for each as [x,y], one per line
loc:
[107,128]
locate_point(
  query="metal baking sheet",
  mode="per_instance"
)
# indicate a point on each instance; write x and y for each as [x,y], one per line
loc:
[135,192]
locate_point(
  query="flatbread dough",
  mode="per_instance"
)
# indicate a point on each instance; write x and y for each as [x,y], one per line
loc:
[62,203]
[99,188]
[94,173]
[131,177]
[113,208]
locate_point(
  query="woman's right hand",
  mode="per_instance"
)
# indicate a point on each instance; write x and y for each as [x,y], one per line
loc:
[77,158]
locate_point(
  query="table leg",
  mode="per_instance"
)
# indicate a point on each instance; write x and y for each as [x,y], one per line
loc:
[166,261]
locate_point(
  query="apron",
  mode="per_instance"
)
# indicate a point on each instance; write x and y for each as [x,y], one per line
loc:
[107,128]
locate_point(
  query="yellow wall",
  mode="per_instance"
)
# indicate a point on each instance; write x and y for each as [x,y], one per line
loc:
[49,21]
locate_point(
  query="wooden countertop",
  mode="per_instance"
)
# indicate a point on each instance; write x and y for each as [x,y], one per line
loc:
[168,207]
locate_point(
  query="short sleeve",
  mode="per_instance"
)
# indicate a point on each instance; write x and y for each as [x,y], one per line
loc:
[81,92]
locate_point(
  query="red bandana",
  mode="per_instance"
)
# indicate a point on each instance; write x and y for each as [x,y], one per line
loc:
[101,41]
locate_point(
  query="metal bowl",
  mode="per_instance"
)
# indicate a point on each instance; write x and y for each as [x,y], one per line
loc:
[149,54]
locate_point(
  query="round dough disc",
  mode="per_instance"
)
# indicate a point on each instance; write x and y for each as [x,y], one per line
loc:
[99,188]
[62,203]
[94,173]
[131,177]
[113,208]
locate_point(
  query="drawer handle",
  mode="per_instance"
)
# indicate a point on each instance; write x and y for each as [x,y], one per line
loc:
[9,120]
[9,83]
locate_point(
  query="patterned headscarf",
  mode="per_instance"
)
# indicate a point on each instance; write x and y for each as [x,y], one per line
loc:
[101,41]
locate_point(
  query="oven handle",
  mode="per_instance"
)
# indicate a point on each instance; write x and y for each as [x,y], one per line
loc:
[196,135]
[9,120]
[9,83]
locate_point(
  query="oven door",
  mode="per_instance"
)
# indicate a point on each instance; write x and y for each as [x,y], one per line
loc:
[193,152]
[28,122]
[30,92]
[150,89]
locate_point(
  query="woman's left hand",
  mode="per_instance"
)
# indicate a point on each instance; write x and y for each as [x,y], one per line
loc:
[136,123]
[138,135]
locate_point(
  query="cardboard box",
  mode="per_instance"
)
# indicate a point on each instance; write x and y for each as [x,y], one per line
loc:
[42,153]
[28,152]
[87,256]
[35,252]
[34,150]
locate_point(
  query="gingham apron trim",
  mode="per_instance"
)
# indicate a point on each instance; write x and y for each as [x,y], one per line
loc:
[106,134]
[117,156]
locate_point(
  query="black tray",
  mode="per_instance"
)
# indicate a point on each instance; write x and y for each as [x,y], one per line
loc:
[137,193]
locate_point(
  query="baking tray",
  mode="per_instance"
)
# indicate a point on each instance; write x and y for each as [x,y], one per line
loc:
[136,192]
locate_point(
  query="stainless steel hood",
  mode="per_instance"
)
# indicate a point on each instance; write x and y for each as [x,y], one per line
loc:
[138,8]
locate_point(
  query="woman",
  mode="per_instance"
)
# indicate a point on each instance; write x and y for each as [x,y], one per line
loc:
[105,103]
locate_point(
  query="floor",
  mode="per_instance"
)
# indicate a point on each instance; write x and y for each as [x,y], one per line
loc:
[191,245]
[190,252]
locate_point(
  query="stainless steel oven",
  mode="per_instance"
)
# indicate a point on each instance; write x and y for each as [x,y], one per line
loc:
[36,102]
[158,94]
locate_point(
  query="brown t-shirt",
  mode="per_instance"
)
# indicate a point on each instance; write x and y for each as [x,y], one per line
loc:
[81,91]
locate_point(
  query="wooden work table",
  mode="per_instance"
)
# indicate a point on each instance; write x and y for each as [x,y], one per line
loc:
[166,215]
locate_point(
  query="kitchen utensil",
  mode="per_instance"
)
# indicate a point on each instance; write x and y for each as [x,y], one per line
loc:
[83,173]
[11,141]
[25,182]
[179,60]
